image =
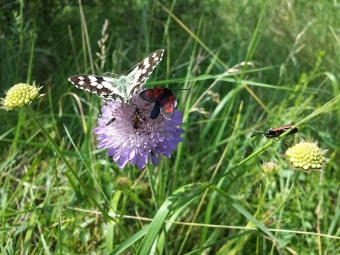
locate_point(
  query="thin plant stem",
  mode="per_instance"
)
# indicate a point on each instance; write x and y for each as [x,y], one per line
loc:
[280,206]
[153,192]
[68,175]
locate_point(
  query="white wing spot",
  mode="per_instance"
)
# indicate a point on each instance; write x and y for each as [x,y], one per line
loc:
[108,79]
[92,78]
[106,84]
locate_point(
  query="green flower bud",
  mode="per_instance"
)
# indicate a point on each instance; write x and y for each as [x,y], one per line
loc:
[270,167]
[123,183]
[306,156]
[20,95]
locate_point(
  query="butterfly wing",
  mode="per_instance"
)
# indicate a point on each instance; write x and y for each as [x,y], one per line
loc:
[163,99]
[105,87]
[124,87]
[139,75]
[151,95]
[167,107]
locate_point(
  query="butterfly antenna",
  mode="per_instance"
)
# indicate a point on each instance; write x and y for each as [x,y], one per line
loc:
[182,89]
[110,74]
[257,133]
[173,77]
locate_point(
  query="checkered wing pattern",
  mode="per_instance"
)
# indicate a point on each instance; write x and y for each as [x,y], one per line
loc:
[142,71]
[105,87]
[122,88]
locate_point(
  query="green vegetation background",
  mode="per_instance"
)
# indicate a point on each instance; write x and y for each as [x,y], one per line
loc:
[292,49]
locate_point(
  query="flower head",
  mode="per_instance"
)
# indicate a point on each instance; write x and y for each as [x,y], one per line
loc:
[306,156]
[122,183]
[270,167]
[20,95]
[130,134]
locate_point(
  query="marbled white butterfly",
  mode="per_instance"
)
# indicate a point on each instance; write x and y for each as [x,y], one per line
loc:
[122,88]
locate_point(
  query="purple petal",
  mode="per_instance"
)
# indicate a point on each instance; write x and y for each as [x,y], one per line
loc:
[141,161]
[137,143]
[154,159]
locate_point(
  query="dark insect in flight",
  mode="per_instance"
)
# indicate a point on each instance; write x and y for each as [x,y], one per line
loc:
[277,131]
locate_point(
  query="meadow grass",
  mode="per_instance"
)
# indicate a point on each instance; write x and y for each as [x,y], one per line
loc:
[251,65]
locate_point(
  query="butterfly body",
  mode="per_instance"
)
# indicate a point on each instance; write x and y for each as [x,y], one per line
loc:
[273,133]
[163,99]
[156,110]
[122,88]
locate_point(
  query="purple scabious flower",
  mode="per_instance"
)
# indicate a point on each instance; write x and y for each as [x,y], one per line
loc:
[130,134]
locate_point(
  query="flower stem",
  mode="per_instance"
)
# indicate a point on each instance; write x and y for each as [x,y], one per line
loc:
[153,192]
[152,187]
[68,175]
[17,133]
[282,204]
